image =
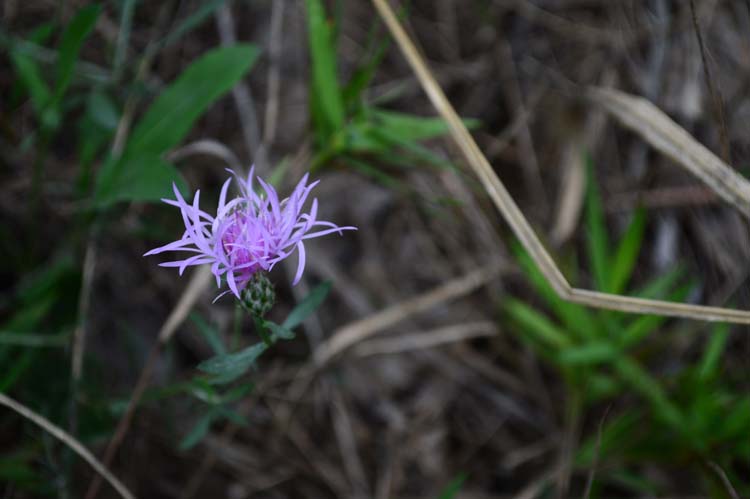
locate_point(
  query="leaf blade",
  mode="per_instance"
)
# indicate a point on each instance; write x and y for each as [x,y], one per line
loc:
[172,114]
[307,306]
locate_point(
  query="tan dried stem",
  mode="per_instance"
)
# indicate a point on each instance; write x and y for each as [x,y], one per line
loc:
[521,227]
[200,281]
[68,440]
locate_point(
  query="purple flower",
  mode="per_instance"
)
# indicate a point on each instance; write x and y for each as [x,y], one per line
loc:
[250,233]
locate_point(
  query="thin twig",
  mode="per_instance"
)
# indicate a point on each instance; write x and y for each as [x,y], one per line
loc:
[724,479]
[68,440]
[716,99]
[597,450]
[515,218]
[200,281]
[360,330]
[79,333]
[209,147]
[242,97]
[516,100]
[274,73]
[676,143]
[427,339]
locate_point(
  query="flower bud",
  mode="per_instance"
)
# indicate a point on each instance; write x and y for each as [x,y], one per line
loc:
[259,295]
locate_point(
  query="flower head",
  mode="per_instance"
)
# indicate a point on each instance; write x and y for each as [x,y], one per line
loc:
[249,233]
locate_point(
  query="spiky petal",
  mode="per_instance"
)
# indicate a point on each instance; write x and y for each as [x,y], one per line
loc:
[249,233]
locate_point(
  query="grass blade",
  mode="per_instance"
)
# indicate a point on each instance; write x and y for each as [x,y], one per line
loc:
[327,100]
[72,40]
[307,306]
[627,253]
[173,113]
[596,231]
[533,322]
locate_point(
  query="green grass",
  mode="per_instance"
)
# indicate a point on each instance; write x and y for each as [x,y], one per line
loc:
[605,358]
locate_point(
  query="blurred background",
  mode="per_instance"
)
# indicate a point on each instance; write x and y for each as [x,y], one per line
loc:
[440,364]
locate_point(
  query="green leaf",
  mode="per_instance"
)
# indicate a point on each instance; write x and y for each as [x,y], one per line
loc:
[199,431]
[194,20]
[235,362]
[173,113]
[407,153]
[237,393]
[717,342]
[536,323]
[102,110]
[616,434]
[209,333]
[127,8]
[451,490]
[736,424]
[233,416]
[661,285]
[627,253]
[327,102]
[596,231]
[136,177]
[640,485]
[201,389]
[72,39]
[600,386]
[307,306]
[12,373]
[577,319]
[412,128]
[279,332]
[226,377]
[646,324]
[592,353]
[33,340]
[643,382]
[30,75]
[374,172]
[18,472]
[361,78]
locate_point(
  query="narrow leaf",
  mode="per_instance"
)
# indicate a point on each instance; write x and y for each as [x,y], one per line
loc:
[627,253]
[596,231]
[136,177]
[72,40]
[279,332]
[451,490]
[102,110]
[643,382]
[328,104]
[537,324]
[577,319]
[209,333]
[234,362]
[194,20]
[717,342]
[173,113]
[593,353]
[307,306]
[199,431]
[30,75]
[412,128]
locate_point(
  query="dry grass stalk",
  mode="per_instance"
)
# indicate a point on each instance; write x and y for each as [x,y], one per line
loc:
[719,177]
[673,141]
[68,440]
[360,330]
[198,284]
[427,339]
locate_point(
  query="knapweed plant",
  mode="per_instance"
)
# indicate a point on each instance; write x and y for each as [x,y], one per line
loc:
[249,234]
[247,237]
